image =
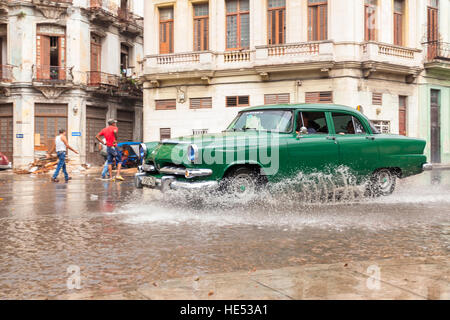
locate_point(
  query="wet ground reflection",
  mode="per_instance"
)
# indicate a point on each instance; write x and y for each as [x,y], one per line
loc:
[121,237]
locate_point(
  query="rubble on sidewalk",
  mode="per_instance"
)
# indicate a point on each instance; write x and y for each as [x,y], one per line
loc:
[45,165]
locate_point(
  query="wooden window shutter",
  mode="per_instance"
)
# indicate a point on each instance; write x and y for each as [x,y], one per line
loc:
[164,133]
[238,101]
[402,116]
[166,31]
[62,58]
[281,98]
[43,57]
[377,98]
[168,104]
[317,20]
[201,27]
[319,97]
[200,103]
[276,22]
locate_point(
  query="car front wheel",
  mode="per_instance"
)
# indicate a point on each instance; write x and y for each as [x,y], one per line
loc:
[243,182]
[382,183]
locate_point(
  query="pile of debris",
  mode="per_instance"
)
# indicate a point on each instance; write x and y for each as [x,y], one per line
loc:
[42,165]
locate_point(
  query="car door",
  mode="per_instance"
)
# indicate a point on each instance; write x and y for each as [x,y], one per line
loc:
[358,149]
[315,150]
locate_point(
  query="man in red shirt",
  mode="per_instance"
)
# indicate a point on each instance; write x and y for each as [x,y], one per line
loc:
[110,134]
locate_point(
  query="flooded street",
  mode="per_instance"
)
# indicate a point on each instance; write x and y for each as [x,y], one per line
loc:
[121,237]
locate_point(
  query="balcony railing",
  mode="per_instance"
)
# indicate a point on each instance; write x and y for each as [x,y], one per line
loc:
[178,58]
[6,73]
[293,49]
[392,54]
[236,56]
[53,1]
[437,50]
[53,74]
[97,79]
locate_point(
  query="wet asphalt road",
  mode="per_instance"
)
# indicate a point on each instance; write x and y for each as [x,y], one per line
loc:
[121,237]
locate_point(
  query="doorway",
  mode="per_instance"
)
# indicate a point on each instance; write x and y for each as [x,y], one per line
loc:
[435,123]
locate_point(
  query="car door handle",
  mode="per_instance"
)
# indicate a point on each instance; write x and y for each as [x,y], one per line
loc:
[331,138]
[370,138]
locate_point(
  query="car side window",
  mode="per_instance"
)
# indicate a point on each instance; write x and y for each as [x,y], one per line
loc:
[314,122]
[347,124]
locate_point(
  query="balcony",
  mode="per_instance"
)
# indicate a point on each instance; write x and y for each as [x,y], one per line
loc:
[52,75]
[52,9]
[264,60]
[438,55]
[6,74]
[131,23]
[102,79]
[376,56]
[102,12]
[52,81]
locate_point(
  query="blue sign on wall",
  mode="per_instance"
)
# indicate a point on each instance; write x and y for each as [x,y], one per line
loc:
[76,134]
[19,135]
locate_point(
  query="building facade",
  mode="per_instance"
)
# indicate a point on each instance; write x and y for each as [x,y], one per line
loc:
[206,60]
[68,64]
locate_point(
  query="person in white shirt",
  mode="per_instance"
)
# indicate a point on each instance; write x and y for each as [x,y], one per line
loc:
[61,146]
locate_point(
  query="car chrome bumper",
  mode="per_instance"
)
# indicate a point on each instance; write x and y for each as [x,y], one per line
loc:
[427,166]
[169,182]
[6,166]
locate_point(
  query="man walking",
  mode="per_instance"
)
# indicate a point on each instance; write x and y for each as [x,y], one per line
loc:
[110,134]
[61,146]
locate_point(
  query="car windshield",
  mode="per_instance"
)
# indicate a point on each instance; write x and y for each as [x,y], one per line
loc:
[263,120]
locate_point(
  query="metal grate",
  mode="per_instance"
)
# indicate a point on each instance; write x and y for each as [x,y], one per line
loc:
[377,99]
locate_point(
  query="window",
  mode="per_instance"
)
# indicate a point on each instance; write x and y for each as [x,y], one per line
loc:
[201,27]
[238,24]
[377,99]
[50,52]
[276,22]
[347,124]
[164,133]
[199,131]
[314,122]
[370,20]
[398,22]
[402,115]
[317,20]
[200,103]
[319,97]
[96,60]
[165,30]
[432,28]
[238,101]
[382,126]
[124,58]
[168,104]
[263,120]
[280,98]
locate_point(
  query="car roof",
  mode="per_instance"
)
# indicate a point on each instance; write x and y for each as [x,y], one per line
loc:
[305,106]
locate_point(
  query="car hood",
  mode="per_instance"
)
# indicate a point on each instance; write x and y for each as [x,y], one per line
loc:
[174,150]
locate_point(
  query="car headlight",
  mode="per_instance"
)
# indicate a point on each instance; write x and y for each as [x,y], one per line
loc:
[143,151]
[192,152]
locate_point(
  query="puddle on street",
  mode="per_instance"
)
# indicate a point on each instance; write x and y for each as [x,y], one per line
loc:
[121,237]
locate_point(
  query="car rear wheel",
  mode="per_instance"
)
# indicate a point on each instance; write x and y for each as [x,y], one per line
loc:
[382,183]
[243,182]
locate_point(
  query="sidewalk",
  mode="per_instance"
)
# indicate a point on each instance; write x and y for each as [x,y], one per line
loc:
[403,278]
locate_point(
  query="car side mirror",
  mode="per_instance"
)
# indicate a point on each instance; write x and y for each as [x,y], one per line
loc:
[303,131]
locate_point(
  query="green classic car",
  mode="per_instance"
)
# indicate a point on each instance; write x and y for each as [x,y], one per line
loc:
[270,143]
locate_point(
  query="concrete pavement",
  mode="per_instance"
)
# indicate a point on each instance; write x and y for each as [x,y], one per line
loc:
[403,278]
